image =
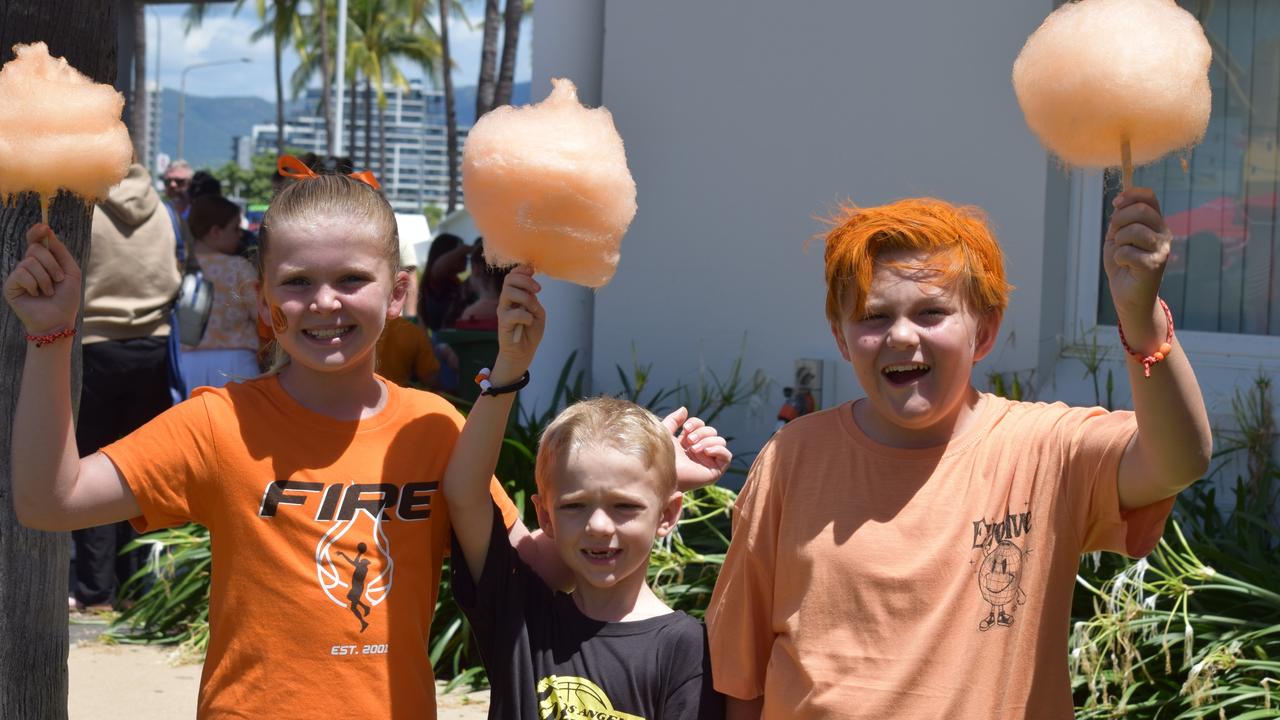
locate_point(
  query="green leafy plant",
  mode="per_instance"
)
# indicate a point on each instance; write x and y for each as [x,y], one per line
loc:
[1093,356]
[1194,630]
[683,566]
[1015,388]
[172,607]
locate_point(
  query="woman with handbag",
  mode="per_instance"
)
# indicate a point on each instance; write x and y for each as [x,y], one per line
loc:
[227,348]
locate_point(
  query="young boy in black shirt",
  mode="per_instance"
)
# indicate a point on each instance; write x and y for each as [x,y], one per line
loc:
[607,482]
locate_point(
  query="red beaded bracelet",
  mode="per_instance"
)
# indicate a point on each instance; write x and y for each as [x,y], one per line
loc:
[42,340]
[1165,348]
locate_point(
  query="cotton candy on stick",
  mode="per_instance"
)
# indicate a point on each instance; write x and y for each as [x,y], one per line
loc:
[58,130]
[548,185]
[1115,82]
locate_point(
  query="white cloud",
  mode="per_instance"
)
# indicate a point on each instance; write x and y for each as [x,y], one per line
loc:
[224,36]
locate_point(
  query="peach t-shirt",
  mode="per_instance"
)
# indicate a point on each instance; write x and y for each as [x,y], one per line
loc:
[865,581]
[318,526]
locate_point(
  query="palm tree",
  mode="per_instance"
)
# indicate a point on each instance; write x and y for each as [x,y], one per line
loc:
[417,11]
[382,34]
[279,18]
[495,83]
[316,59]
[486,84]
[138,122]
[510,41]
[326,76]
[450,114]
[33,565]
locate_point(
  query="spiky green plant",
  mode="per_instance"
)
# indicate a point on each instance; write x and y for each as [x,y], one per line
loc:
[173,608]
[1193,631]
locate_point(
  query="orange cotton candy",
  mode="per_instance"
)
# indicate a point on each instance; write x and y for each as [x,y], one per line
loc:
[1098,71]
[548,185]
[58,129]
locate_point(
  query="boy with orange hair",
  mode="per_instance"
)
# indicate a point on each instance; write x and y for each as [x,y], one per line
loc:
[912,554]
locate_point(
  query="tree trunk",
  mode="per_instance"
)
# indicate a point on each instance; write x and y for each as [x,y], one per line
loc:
[488,58]
[382,146]
[368,122]
[33,565]
[450,115]
[326,80]
[279,95]
[510,42]
[355,105]
[141,100]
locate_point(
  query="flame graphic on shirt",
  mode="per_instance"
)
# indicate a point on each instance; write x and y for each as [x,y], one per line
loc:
[333,572]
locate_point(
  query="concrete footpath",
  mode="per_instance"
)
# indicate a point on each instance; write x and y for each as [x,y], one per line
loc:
[142,682]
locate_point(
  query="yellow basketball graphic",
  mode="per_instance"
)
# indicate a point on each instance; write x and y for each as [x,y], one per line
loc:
[574,698]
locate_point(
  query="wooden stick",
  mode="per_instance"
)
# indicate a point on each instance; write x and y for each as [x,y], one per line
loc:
[519,331]
[1126,164]
[44,215]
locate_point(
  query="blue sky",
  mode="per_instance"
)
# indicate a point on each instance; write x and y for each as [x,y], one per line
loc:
[225,35]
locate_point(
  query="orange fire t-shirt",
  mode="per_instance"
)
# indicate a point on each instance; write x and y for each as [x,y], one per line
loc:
[327,540]
[865,581]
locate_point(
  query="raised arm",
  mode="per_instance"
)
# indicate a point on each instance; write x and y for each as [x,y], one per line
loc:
[53,488]
[701,454]
[475,455]
[1173,444]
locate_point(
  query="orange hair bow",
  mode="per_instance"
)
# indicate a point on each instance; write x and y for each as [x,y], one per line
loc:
[291,167]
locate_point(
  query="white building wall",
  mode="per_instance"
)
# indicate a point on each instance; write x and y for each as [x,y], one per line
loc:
[746,120]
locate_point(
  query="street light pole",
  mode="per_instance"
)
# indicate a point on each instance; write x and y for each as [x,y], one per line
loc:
[153,107]
[182,96]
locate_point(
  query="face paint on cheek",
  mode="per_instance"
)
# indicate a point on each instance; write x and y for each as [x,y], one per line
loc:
[278,322]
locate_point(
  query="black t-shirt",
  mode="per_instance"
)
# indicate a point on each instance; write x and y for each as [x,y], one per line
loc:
[548,661]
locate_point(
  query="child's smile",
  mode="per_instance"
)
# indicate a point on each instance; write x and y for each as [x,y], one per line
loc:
[904,373]
[330,335]
[913,349]
[603,512]
[602,557]
[330,288]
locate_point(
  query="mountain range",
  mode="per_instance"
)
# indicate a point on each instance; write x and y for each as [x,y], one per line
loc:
[212,122]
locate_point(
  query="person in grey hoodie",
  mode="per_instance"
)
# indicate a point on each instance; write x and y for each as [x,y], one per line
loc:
[129,284]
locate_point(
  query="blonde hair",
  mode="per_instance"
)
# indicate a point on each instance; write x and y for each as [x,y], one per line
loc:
[354,202]
[607,422]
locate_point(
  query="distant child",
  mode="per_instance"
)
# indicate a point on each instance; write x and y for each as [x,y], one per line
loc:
[607,487]
[319,483]
[912,554]
[405,355]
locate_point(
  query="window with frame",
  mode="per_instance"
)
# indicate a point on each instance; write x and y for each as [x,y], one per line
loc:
[1220,198]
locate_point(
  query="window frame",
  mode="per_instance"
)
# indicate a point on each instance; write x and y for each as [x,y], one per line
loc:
[1210,350]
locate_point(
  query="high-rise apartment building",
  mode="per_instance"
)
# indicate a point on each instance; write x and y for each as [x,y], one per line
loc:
[411,161]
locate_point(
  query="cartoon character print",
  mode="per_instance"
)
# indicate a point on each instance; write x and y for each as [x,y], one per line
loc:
[999,581]
[1000,569]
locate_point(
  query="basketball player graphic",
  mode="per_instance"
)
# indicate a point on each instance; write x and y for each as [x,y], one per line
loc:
[361,570]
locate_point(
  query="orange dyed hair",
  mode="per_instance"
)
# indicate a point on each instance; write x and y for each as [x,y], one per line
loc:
[963,247]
